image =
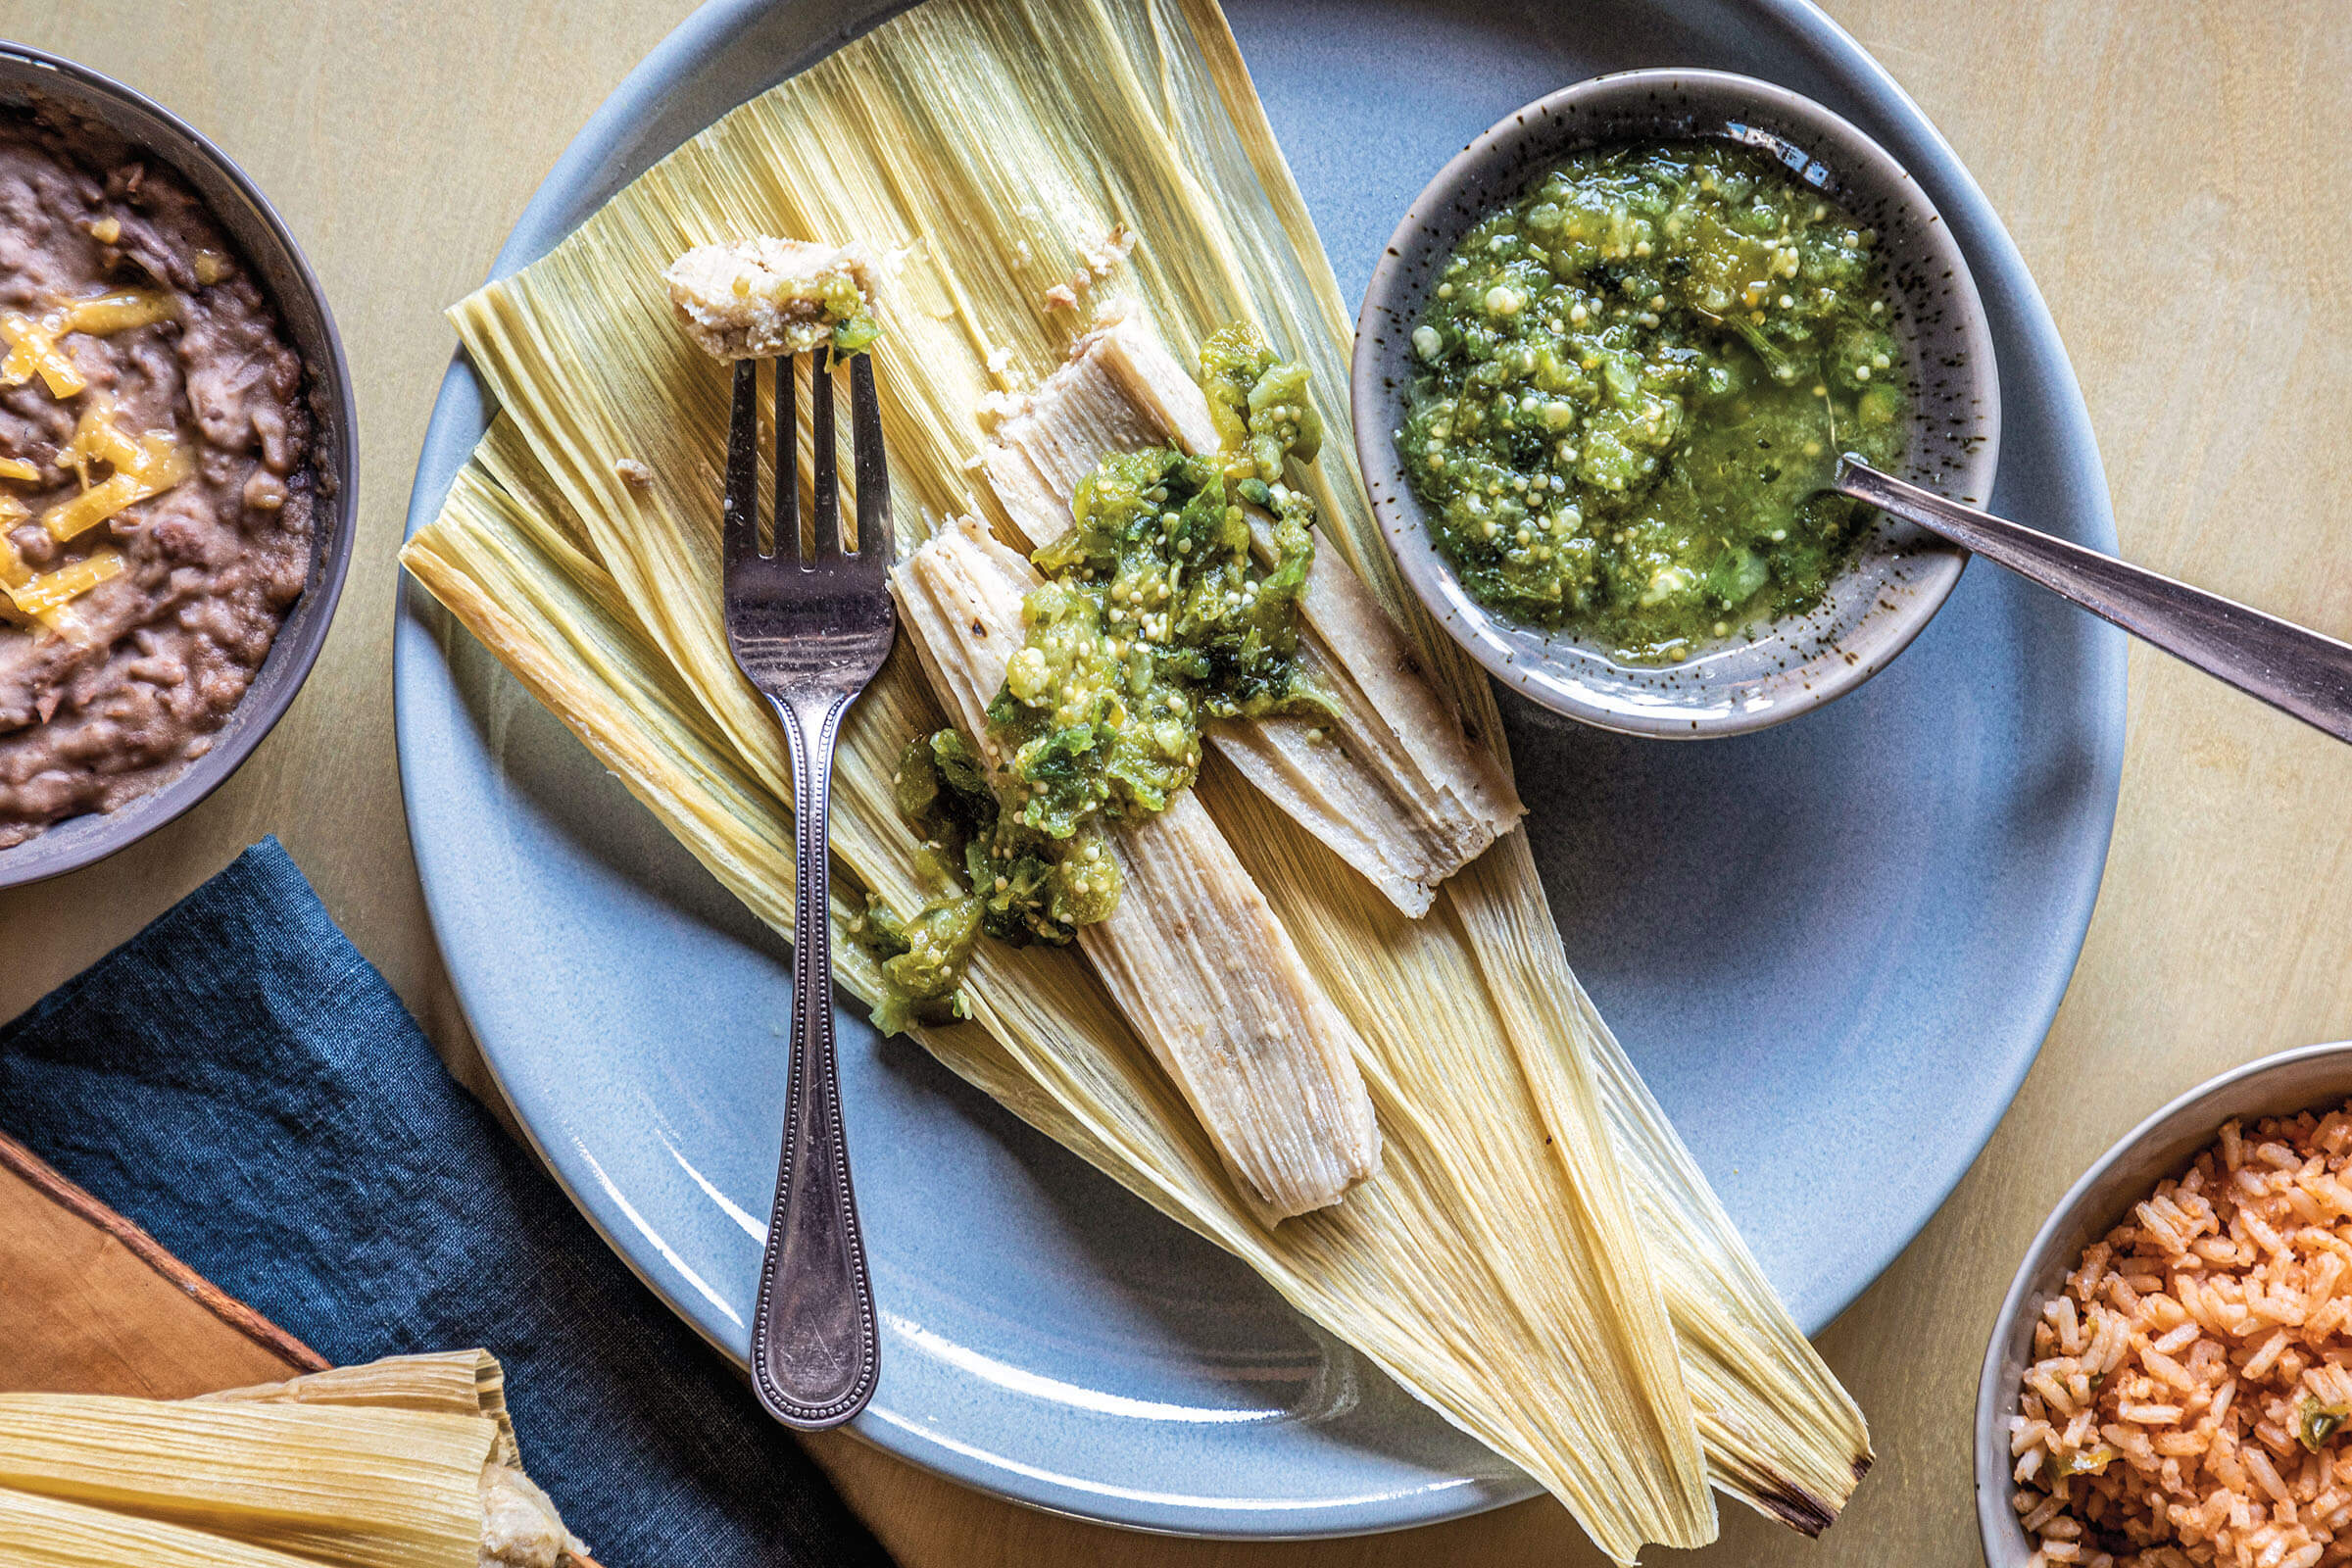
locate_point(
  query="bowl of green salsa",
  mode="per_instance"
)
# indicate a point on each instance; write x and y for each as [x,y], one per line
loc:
[1603,375]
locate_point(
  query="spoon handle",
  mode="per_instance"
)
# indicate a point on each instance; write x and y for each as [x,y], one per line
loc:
[2294,670]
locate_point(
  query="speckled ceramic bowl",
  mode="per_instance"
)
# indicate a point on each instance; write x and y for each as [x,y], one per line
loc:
[28,77]
[1898,578]
[2281,1085]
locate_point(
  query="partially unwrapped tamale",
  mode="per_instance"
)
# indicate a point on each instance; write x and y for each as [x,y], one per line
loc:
[1259,1051]
[1538,1256]
[1385,777]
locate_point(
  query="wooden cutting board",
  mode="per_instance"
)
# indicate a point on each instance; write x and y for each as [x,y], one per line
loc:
[90,1303]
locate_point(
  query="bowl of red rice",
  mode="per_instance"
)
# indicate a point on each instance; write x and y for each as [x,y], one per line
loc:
[2170,1379]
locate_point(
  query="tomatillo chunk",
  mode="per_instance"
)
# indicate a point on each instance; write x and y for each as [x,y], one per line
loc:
[1632,386]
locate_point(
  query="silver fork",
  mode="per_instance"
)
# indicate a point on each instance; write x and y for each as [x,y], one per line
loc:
[811,631]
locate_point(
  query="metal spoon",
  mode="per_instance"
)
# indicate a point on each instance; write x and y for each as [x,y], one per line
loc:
[2294,671]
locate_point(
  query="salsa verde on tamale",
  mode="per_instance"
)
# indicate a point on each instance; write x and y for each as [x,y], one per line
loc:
[1154,618]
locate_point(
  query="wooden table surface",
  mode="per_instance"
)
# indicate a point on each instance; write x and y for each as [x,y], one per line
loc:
[2170,172]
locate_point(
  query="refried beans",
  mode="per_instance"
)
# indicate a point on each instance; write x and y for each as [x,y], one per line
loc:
[156,489]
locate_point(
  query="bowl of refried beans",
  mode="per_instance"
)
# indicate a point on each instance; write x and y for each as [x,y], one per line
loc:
[176,466]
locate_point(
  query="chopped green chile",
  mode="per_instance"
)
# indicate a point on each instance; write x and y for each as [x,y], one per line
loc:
[1632,385]
[922,960]
[1259,407]
[1026,885]
[845,307]
[2316,1423]
[1154,616]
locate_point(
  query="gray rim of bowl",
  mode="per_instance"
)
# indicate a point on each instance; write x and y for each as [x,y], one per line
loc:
[1830,671]
[287,665]
[2070,1227]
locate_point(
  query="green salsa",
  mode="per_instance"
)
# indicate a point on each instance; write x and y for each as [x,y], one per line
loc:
[1154,616]
[841,300]
[1632,385]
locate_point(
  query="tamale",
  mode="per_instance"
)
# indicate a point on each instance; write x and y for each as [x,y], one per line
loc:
[414,1487]
[1477,1312]
[510,562]
[1397,1284]
[1781,1434]
[1538,1258]
[47,1531]
[445,1383]
[38,1531]
[1264,1060]
[374,1488]
[1391,784]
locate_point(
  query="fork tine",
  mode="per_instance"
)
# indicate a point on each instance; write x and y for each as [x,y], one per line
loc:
[788,458]
[740,508]
[873,467]
[827,514]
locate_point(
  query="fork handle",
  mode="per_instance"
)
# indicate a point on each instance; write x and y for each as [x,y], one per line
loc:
[816,1350]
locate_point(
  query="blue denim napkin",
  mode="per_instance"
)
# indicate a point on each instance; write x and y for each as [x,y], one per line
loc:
[239,1080]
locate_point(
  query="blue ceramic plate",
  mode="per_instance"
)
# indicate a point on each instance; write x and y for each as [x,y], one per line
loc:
[1832,947]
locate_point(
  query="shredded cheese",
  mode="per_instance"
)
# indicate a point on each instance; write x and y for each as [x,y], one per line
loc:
[141,466]
[143,469]
[97,437]
[32,350]
[54,590]
[120,312]
[16,580]
[162,468]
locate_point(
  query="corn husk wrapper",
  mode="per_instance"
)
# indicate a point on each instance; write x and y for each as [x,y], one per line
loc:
[38,1531]
[373,1489]
[1539,1257]
[407,1463]
[467,1383]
